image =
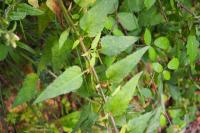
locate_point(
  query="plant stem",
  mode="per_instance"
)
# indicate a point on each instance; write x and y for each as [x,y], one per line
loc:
[84,49]
[162,11]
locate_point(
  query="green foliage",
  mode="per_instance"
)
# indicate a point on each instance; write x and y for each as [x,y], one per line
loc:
[147,37]
[128,66]
[114,45]
[68,81]
[115,104]
[28,90]
[173,64]
[162,42]
[116,72]
[93,21]
[128,21]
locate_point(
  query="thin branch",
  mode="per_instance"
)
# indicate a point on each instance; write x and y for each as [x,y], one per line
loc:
[162,11]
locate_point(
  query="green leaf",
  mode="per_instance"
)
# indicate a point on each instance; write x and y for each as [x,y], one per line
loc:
[95,41]
[22,10]
[162,43]
[152,54]
[28,90]
[146,123]
[157,67]
[192,48]
[58,56]
[87,119]
[173,64]
[150,17]
[63,38]
[29,10]
[93,21]
[70,119]
[128,21]
[68,81]
[149,3]
[166,75]
[25,47]
[84,3]
[154,123]
[139,124]
[3,52]
[147,37]
[114,45]
[76,43]
[115,104]
[132,5]
[118,71]
[13,15]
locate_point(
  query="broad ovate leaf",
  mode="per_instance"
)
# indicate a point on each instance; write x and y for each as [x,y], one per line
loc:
[28,90]
[173,64]
[114,45]
[128,21]
[166,75]
[93,21]
[162,43]
[115,104]
[122,68]
[68,81]
[157,67]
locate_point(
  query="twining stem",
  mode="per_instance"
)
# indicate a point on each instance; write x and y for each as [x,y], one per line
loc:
[87,58]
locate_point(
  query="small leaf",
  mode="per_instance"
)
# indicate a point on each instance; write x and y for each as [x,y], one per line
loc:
[149,3]
[115,104]
[122,68]
[147,37]
[63,38]
[114,45]
[152,54]
[28,90]
[3,52]
[93,21]
[76,43]
[157,67]
[192,48]
[173,64]
[68,81]
[166,75]
[95,41]
[162,42]
[128,21]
